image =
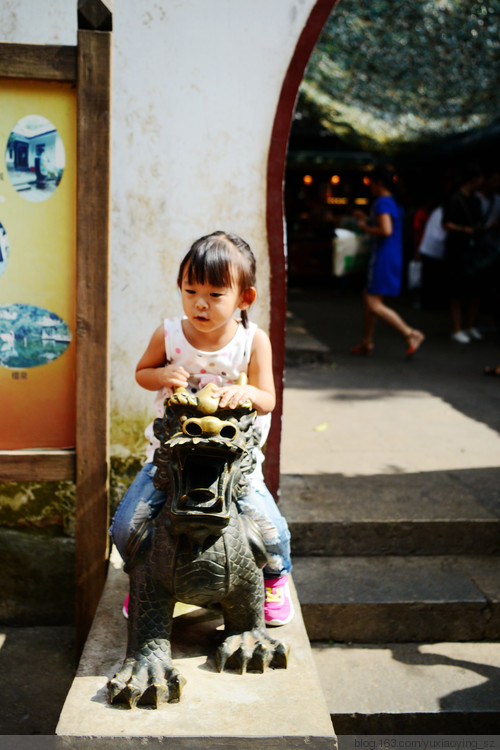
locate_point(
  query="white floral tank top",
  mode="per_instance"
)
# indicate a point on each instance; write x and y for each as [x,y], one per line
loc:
[221,367]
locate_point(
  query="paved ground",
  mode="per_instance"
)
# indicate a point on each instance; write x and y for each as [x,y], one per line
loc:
[355,416]
[385,414]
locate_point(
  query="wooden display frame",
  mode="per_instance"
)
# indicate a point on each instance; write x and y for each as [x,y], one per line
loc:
[88,66]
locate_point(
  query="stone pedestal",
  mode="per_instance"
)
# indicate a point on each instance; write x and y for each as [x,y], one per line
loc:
[280,708]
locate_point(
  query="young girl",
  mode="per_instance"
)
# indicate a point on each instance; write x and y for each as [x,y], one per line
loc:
[210,345]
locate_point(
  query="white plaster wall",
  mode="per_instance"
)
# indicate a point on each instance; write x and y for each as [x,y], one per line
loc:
[195,89]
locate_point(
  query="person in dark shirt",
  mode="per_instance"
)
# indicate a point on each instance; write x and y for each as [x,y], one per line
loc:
[462,221]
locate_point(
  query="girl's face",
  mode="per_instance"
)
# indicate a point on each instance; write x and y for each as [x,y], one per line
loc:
[208,307]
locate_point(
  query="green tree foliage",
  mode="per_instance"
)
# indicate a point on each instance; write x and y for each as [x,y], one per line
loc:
[398,72]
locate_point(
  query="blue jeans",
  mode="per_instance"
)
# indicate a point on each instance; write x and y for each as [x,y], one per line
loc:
[143,501]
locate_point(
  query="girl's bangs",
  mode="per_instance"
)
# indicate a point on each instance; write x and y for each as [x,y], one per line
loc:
[211,265]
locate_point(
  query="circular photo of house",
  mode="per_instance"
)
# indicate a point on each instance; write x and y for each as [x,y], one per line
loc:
[4,249]
[35,158]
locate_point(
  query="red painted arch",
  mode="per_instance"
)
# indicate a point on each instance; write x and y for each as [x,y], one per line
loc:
[275,221]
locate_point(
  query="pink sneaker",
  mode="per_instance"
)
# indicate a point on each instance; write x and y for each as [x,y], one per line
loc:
[125,607]
[278,607]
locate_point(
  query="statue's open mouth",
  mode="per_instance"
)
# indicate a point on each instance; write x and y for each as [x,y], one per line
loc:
[204,486]
[201,460]
[203,483]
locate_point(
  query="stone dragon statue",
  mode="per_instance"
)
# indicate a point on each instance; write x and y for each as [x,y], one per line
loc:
[199,550]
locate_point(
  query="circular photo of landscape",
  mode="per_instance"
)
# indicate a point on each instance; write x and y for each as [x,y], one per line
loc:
[31,336]
[35,158]
[4,249]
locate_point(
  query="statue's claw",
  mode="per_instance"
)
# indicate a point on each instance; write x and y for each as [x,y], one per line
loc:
[251,651]
[118,684]
[280,657]
[175,685]
[145,683]
[182,396]
[124,689]
[260,660]
[130,695]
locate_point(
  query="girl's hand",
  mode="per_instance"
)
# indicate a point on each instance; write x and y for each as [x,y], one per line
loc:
[152,371]
[233,395]
[173,376]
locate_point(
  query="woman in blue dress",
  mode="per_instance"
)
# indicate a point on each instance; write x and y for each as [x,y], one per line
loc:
[385,271]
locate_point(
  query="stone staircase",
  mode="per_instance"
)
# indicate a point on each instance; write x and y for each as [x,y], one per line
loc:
[398,577]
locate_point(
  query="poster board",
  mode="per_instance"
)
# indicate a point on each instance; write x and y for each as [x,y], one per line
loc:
[37,264]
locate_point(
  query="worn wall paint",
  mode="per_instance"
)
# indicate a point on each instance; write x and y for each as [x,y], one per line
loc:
[195,89]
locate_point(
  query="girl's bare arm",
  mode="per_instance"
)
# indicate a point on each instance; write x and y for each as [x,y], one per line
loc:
[260,387]
[153,372]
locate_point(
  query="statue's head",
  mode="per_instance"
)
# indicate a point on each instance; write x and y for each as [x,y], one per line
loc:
[202,461]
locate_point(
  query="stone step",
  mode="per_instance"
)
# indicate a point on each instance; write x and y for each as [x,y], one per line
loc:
[399,599]
[427,513]
[411,688]
[301,346]
[282,708]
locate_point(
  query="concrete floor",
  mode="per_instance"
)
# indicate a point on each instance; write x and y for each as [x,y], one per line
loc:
[37,666]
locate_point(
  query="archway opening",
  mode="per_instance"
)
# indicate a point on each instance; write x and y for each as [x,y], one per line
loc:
[416,93]
[324,181]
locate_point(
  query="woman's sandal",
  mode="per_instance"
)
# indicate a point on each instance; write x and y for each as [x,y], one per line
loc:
[414,340]
[362,350]
[489,370]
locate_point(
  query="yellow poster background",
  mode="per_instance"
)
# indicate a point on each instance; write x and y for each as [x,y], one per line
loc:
[37,404]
